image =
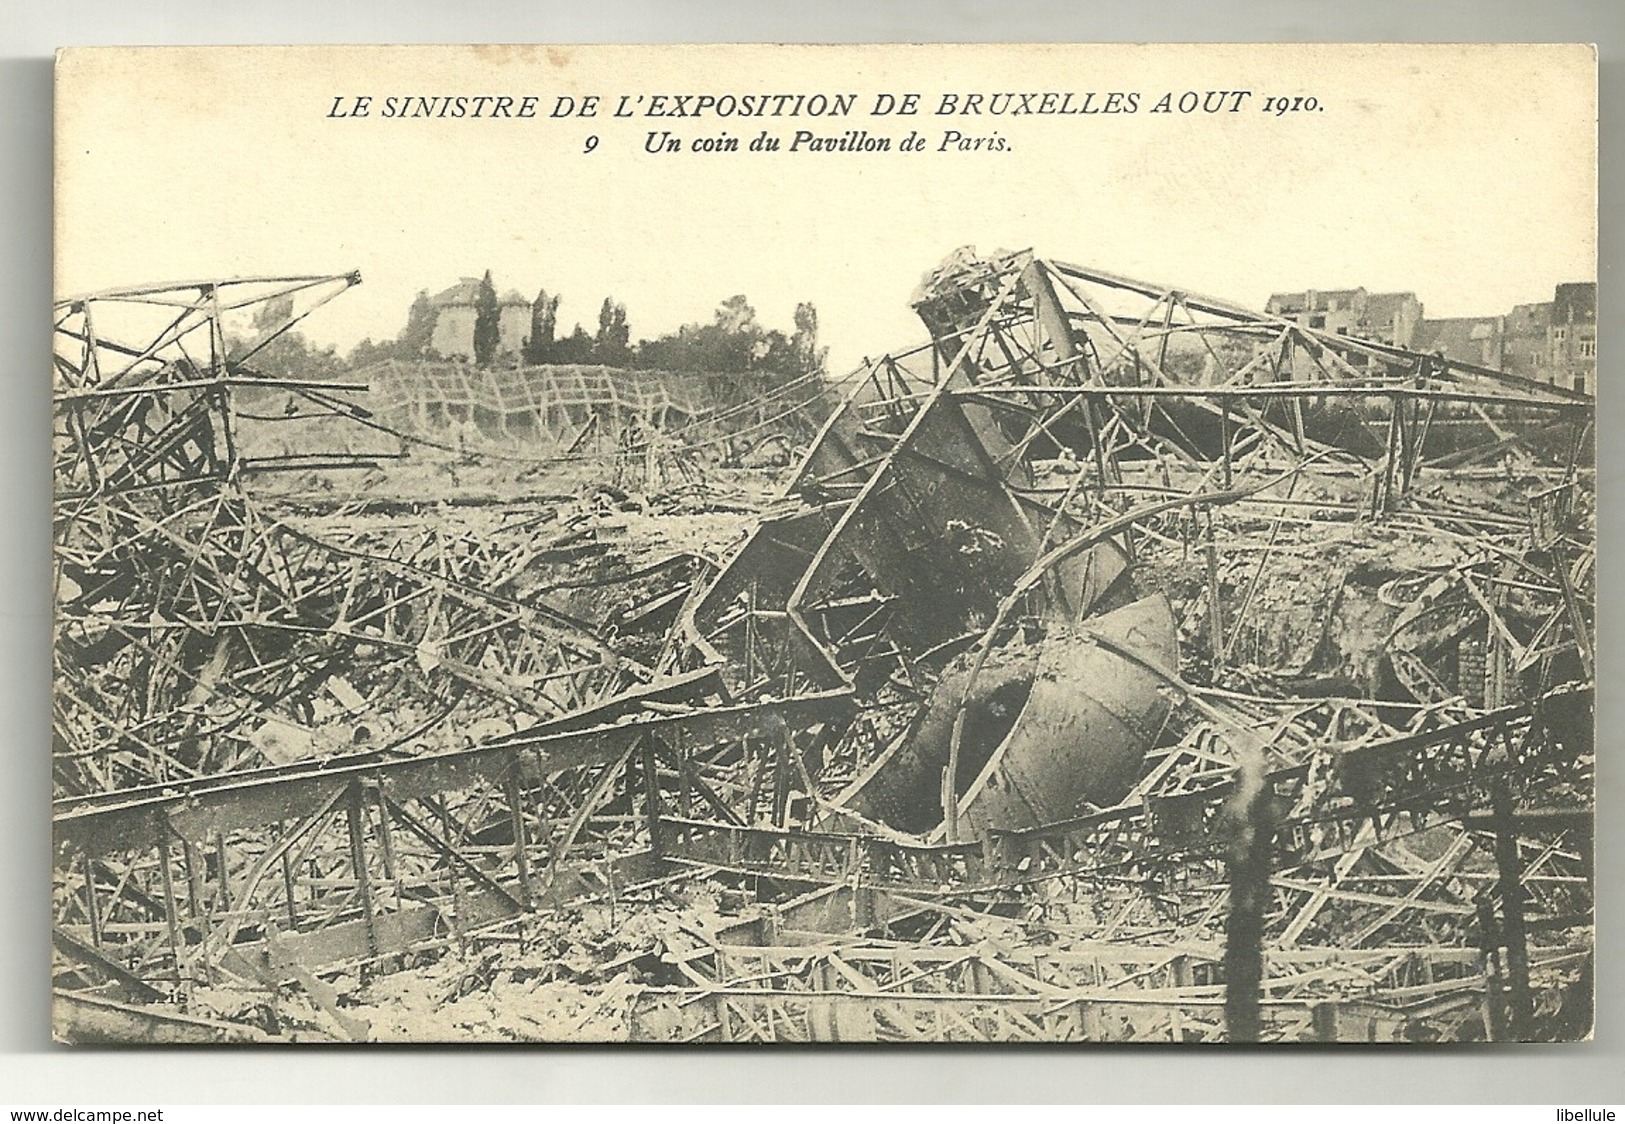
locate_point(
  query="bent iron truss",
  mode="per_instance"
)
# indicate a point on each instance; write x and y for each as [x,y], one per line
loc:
[264,772]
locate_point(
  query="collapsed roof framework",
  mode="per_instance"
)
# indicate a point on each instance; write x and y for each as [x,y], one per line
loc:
[918,531]
[557,412]
[185,617]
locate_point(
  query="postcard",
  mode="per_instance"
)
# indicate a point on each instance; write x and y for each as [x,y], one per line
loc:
[863,544]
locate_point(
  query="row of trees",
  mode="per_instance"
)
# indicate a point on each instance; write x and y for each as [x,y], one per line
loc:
[733,340]
[611,346]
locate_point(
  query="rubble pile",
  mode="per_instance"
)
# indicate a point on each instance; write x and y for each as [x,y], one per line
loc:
[1054,692]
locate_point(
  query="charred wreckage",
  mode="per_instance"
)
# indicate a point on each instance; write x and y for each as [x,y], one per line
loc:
[1120,665]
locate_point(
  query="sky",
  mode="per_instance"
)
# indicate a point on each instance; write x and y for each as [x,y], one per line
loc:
[1464,174]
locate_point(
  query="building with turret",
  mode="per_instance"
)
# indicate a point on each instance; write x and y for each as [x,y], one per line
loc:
[456,310]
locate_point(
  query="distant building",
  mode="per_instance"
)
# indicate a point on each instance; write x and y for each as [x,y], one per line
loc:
[1525,348]
[1480,340]
[1393,318]
[1553,342]
[1390,318]
[1572,336]
[456,309]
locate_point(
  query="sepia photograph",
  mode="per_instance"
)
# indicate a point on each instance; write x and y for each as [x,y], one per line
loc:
[824,544]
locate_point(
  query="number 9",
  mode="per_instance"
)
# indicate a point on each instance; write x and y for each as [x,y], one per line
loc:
[592,143]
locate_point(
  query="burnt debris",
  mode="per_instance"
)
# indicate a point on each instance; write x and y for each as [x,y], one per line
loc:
[1118,665]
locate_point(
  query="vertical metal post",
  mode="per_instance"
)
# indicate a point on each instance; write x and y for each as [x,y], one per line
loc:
[1215,608]
[1402,450]
[651,795]
[750,631]
[1413,445]
[92,908]
[222,392]
[358,864]
[1577,443]
[437,805]
[1509,867]
[685,806]
[781,778]
[194,880]
[289,889]
[544,830]
[167,878]
[1424,428]
[386,836]
[754,768]
[1092,423]
[199,902]
[220,865]
[1383,493]
[1496,657]
[1571,605]
[1249,846]
[516,817]
[1162,341]
[1495,1025]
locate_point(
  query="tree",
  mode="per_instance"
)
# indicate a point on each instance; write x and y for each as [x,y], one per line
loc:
[273,312]
[576,348]
[612,344]
[286,355]
[734,341]
[544,318]
[366,353]
[735,316]
[414,343]
[487,323]
[290,356]
[416,339]
[725,344]
[809,356]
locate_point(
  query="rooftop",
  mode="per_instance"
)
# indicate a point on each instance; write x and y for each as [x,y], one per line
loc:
[467,292]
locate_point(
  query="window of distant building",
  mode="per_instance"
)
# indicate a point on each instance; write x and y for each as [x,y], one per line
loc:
[1580,383]
[1317,321]
[1559,333]
[1588,349]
